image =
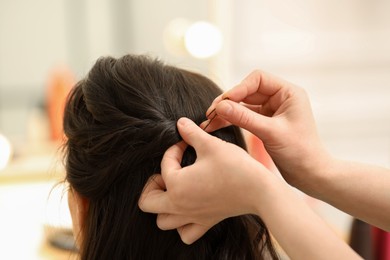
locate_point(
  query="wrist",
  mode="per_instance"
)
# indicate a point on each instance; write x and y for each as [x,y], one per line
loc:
[265,189]
[319,176]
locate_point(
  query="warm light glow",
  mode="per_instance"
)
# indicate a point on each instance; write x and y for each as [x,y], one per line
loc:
[5,152]
[173,36]
[203,40]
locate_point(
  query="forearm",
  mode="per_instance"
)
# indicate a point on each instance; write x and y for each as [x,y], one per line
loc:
[299,231]
[359,189]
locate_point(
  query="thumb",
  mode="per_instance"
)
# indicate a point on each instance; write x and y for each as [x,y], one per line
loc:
[192,134]
[243,117]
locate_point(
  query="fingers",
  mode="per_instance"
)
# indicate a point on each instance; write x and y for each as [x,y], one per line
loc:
[154,183]
[258,88]
[257,82]
[245,118]
[171,161]
[214,124]
[169,221]
[211,109]
[153,198]
[193,134]
[218,122]
[192,232]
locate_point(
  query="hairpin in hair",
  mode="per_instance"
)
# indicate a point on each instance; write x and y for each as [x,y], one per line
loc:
[209,114]
[204,129]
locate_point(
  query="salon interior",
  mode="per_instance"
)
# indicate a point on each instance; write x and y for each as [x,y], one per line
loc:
[339,51]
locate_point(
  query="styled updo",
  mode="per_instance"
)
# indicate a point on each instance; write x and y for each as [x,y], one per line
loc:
[119,121]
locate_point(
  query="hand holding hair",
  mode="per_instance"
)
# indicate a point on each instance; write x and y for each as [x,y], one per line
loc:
[193,199]
[225,181]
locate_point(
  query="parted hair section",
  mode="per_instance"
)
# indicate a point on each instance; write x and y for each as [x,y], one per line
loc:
[119,120]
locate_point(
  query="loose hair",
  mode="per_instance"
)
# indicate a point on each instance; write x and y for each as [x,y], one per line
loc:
[119,121]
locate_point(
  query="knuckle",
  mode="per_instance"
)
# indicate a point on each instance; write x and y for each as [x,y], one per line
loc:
[160,222]
[257,72]
[179,197]
[257,75]
[141,202]
[141,205]
[244,118]
[177,194]
[300,90]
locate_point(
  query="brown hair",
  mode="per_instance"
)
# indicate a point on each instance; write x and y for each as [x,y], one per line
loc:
[119,121]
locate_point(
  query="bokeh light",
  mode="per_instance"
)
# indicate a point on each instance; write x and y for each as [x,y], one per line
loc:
[203,40]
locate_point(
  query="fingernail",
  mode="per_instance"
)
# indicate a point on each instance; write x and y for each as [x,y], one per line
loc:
[183,121]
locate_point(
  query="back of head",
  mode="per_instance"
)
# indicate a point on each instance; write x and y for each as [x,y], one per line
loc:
[119,121]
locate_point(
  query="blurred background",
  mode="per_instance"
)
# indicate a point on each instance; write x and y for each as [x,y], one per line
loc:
[339,51]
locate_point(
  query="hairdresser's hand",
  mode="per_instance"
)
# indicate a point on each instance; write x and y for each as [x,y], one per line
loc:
[279,113]
[223,182]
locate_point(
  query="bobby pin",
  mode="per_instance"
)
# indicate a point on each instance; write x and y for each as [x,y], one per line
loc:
[209,114]
[204,129]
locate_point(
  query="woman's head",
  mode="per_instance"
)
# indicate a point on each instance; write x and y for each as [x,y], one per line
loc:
[119,121]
